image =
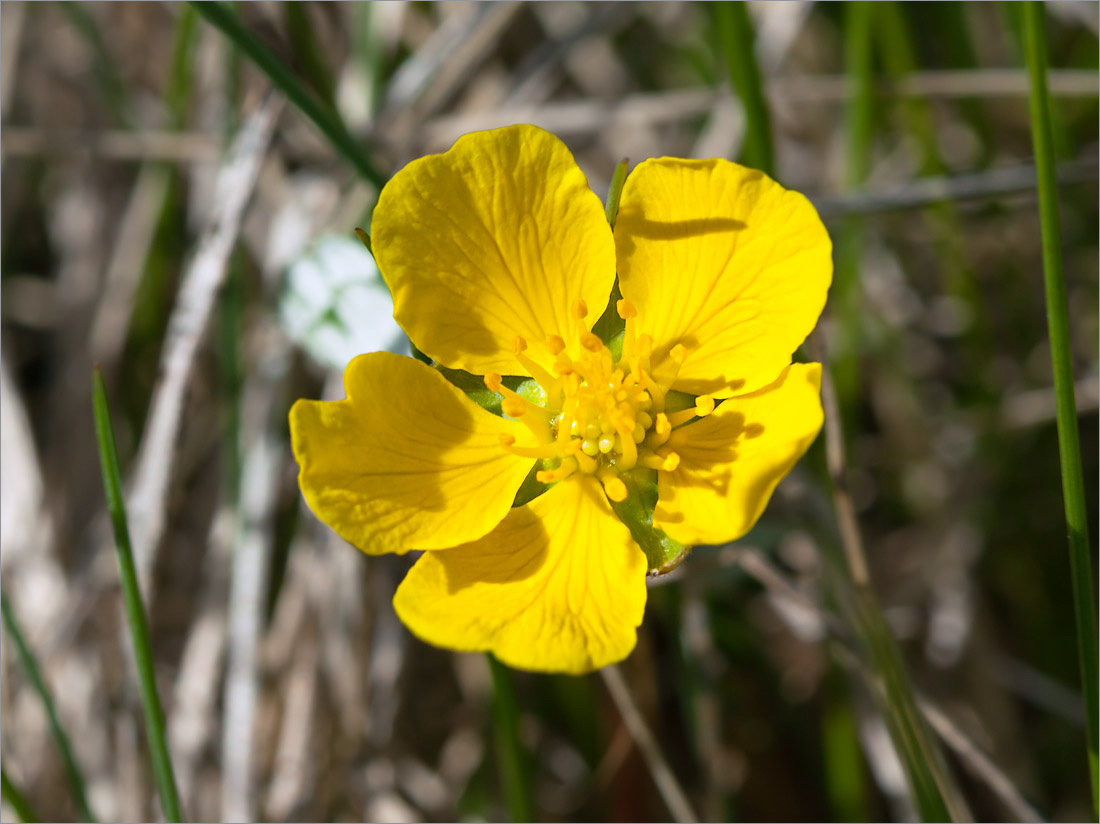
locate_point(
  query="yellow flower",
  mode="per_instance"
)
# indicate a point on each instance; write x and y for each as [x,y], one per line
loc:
[500,259]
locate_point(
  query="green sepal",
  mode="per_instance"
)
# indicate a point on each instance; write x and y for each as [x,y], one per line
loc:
[662,553]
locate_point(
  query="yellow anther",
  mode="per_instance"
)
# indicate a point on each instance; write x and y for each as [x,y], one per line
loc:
[672,460]
[704,405]
[519,345]
[513,407]
[493,381]
[626,309]
[591,342]
[555,344]
[580,309]
[506,439]
[662,426]
[606,443]
[590,447]
[614,488]
[678,353]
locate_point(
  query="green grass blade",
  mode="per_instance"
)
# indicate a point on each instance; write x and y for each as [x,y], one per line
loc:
[30,667]
[17,800]
[1069,448]
[615,191]
[323,117]
[736,34]
[846,292]
[135,612]
[308,52]
[510,753]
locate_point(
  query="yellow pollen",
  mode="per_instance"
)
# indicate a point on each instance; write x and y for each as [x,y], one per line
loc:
[601,416]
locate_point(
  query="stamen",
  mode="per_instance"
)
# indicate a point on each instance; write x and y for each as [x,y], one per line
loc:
[664,460]
[534,417]
[662,428]
[704,405]
[625,442]
[509,443]
[580,309]
[544,378]
[584,462]
[549,476]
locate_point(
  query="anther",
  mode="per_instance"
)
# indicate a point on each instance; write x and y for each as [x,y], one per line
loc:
[614,488]
[580,309]
[664,460]
[493,381]
[513,407]
[704,405]
[555,344]
[549,476]
[591,342]
[626,309]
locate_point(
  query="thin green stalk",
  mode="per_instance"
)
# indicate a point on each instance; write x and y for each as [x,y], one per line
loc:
[34,675]
[323,117]
[510,754]
[135,612]
[615,191]
[736,34]
[1073,485]
[16,799]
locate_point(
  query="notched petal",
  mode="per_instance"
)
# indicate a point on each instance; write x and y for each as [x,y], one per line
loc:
[406,461]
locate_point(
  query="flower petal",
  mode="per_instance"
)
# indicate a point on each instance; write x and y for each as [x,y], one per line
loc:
[406,461]
[727,262]
[495,238]
[732,460]
[559,586]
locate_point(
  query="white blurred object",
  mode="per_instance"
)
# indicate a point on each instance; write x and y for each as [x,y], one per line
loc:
[335,305]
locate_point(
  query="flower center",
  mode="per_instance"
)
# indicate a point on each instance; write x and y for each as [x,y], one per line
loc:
[601,416]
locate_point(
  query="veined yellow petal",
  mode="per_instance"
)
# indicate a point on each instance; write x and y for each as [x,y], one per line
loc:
[725,261]
[559,586]
[493,239]
[732,460]
[406,461]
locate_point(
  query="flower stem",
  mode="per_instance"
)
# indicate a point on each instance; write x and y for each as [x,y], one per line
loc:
[17,800]
[135,611]
[1073,487]
[510,755]
[324,117]
[735,32]
[34,675]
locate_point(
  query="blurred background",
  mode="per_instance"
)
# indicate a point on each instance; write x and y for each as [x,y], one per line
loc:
[166,215]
